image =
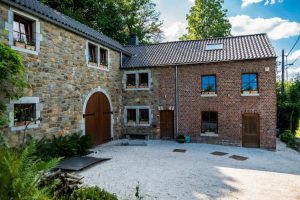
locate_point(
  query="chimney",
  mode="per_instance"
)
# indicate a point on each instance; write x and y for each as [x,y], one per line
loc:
[133,39]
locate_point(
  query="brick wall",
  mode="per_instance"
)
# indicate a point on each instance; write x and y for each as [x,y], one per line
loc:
[229,103]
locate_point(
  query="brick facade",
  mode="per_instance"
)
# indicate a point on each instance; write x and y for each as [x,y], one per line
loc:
[229,103]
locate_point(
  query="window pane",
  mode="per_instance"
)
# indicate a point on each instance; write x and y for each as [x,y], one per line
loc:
[103,57]
[23,27]
[16,26]
[209,83]
[143,80]
[253,85]
[93,53]
[24,113]
[252,78]
[144,116]
[249,82]
[131,115]
[130,80]
[209,122]
[17,36]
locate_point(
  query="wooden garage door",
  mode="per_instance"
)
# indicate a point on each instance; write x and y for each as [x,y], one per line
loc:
[250,136]
[97,118]
[167,124]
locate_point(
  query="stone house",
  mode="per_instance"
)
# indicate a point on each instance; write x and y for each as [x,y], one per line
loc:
[216,90]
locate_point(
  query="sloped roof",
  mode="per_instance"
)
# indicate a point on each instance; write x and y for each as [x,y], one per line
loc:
[245,47]
[41,10]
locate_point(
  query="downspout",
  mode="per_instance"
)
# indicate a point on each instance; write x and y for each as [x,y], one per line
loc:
[176,98]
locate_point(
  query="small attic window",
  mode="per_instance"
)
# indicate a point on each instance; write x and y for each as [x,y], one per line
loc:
[219,46]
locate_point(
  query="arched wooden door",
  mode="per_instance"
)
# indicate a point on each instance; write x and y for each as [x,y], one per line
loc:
[98,118]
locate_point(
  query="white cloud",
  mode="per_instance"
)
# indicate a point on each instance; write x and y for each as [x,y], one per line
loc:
[246,3]
[293,71]
[276,27]
[191,1]
[174,31]
[294,56]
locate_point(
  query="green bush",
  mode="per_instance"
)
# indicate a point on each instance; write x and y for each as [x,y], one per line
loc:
[92,193]
[21,172]
[180,137]
[289,138]
[63,146]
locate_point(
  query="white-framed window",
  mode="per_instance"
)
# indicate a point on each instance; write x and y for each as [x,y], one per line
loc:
[24,32]
[24,111]
[97,56]
[137,80]
[137,116]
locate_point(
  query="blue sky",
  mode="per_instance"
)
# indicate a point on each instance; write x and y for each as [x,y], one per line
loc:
[279,18]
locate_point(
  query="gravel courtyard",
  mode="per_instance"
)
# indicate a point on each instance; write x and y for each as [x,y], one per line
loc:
[196,174]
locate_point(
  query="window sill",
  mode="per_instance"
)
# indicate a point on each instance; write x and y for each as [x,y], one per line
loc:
[137,125]
[20,128]
[250,95]
[25,50]
[209,95]
[98,67]
[209,134]
[137,89]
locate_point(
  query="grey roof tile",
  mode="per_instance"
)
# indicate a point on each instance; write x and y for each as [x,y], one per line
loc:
[48,13]
[245,47]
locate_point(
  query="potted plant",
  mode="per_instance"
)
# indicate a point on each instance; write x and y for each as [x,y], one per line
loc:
[144,85]
[104,63]
[93,64]
[20,43]
[209,90]
[30,45]
[180,138]
[130,86]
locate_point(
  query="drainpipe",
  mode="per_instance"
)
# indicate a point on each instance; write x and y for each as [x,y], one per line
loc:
[176,98]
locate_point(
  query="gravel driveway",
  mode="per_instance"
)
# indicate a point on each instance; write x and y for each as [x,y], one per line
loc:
[196,174]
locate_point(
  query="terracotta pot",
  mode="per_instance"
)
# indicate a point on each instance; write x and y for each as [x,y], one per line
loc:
[30,47]
[93,63]
[253,92]
[20,44]
[19,123]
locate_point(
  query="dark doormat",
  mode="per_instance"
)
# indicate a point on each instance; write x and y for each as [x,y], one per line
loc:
[218,153]
[77,163]
[236,157]
[179,150]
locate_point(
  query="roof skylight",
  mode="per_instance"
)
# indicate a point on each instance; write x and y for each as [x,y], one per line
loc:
[218,46]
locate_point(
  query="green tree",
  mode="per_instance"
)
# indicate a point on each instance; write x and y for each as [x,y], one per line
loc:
[115,18]
[288,106]
[12,78]
[207,19]
[140,18]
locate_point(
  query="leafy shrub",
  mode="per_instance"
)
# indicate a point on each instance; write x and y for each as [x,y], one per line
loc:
[92,193]
[289,138]
[180,137]
[21,172]
[12,78]
[63,146]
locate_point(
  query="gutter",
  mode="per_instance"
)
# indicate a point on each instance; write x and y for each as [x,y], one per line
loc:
[176,99]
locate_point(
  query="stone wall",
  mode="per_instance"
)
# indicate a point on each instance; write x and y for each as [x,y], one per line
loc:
[59,76]
[229,103]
